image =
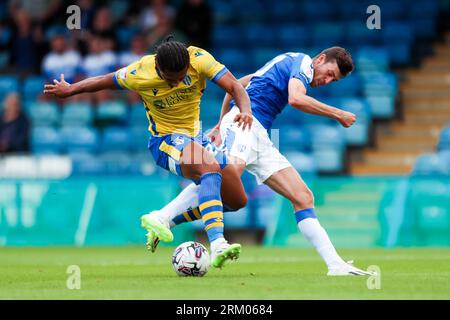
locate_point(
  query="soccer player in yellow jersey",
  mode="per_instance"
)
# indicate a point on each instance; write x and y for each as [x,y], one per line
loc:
[171,83]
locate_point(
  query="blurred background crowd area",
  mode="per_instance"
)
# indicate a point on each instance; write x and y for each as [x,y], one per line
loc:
[393,66]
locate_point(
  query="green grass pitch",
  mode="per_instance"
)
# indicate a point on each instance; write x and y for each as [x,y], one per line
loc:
[260,273]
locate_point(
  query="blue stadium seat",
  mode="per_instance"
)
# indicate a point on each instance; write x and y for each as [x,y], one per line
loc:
[45,140]
[370,58]
[77,114]
[223,12]
[284,11]
[293,36]
[115,140]
[116,163]
[358,133]
[33,87]
[381,106]
[8,84]
[397,32]
[139,136]
[87,165]
[249,12]
[302,162]
[294,138]
[379,83]
[357,33]
[44,114]
[319,10]
[399,53]
[112,113]
[327,34]
[124,34]
[393,10]
[138,116]
[444,139]
[79,140]
[260,35]
[349,86]
[235,60]
[430,165]
[328,144]
[260,56]
[423,9]
[225,37]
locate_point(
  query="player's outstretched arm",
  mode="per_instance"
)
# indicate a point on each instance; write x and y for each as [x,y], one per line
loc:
[215,132]
[235,89]
[63,89]
[299,100]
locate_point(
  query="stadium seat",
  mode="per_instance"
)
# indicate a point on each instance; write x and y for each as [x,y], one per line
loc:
[225,37]
[430,165]
[444,139]
[45,140]
[294,138]
[327,34]
[397,32]
[87,165]
[116,163]
[77,114]
[260,56]
[302,162]
[283,11]
[32,87]
[139,136]
[138,116]
[357,33]
[358,133]
[319,10]
[44,114]
[379,83]
[112,113]
[292,36]
[115,139]
[381,106]
[349,86]
[8,84]
[372,59]
[79,140]
[260,35]
[234,59]
[328,143]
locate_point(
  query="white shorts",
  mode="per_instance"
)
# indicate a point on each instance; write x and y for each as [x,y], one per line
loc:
[253,146]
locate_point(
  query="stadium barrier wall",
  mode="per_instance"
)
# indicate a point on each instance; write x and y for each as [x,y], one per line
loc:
[356,211]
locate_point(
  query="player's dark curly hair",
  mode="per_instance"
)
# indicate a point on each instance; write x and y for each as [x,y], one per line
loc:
[342,57]
[172,55]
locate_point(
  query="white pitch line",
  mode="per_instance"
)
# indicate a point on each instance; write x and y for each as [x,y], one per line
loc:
[86,212]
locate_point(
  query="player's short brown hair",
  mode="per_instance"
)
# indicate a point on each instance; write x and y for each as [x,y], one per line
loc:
[342,57]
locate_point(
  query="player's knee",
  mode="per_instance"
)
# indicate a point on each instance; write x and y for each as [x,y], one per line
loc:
[238,203]
[303,199]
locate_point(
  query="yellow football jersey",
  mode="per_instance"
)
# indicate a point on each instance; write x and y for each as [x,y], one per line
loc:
[171,110]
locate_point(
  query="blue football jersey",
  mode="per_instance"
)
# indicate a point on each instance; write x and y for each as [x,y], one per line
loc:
[268,88]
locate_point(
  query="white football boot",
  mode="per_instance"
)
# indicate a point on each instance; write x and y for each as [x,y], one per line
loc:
[347,269]
[223,251]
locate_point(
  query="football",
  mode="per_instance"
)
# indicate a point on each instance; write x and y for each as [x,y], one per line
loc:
[190,259]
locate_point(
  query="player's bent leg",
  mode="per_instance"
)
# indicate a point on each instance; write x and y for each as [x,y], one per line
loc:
[289,184]
[233,192]
[199,164]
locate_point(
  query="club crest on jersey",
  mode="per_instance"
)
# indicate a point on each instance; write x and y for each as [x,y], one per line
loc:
[155,91]
[187,80]
[178,140]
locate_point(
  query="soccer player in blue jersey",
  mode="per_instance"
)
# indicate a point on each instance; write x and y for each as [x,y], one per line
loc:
[283,80]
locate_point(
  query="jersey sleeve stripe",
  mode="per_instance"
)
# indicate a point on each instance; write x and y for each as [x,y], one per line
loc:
[219,74]
[117,82]
[303,79]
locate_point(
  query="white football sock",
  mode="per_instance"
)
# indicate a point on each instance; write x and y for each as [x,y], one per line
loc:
[188,198]
[318,237]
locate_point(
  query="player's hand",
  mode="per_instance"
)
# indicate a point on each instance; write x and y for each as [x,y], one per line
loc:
[346,119]
[60,89]
[214,135]
[244,119]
